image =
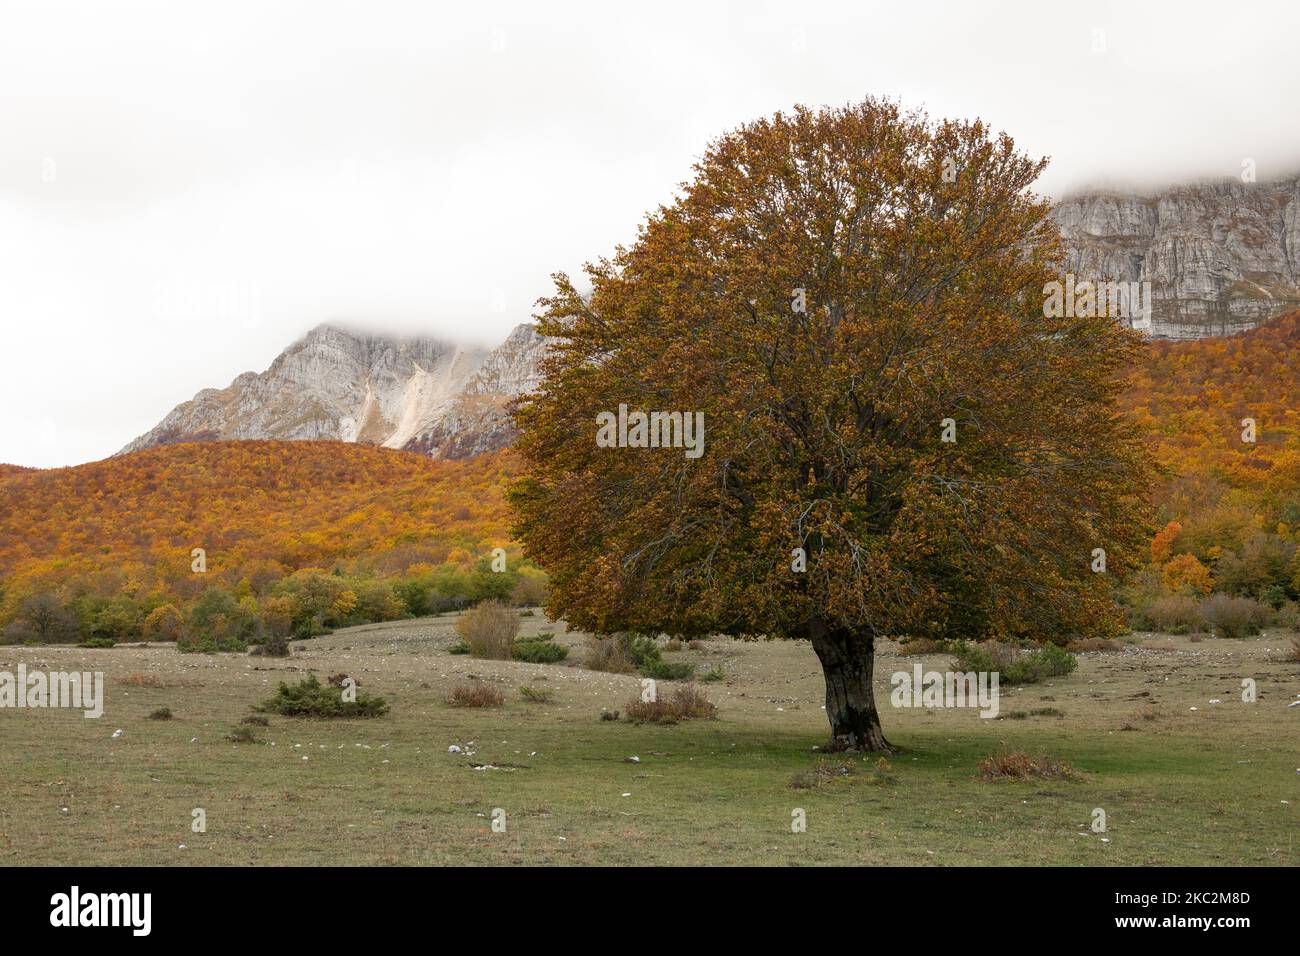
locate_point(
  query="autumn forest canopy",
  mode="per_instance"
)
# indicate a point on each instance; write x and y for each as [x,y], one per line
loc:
[110,542]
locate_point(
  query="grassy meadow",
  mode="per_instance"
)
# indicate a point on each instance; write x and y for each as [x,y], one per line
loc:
[1181,780]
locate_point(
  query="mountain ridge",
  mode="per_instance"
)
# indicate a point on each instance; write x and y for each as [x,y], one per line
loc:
[334,383]
[1221,257]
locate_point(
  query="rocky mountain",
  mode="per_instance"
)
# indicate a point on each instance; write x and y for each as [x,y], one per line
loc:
[1221,257]
[416,393]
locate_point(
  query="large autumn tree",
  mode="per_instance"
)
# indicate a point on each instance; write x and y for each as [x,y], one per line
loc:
[829,289]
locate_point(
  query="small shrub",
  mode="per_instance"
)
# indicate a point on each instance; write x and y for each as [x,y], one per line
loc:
[1047,712]
[1014,667]
[477,694]
[1233,617]
[713,674]
[1018,765]
[98,642]
[162,713]
[256,720]
[609,715]
[241,735]
[311,698]
[1174,614]
[685,703]
[641,648]
[489,629]
[276,645]
[1287,616]
[696,645]
[609,655]
[460,647]
[535,695]
[539,652]
[190,644]
[673,644]
[693,704]
[338,679]
[667,670]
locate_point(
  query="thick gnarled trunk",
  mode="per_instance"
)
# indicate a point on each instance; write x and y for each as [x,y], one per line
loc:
[847,661]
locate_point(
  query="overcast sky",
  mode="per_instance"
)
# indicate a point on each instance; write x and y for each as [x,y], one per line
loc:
[186,188]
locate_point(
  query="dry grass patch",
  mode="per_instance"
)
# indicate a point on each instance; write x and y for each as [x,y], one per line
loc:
[832,772]
[920,645]
[608,654]
[686,703]
[489,630]
[1018,765]
[136,679]
[477,694]
[1093,644]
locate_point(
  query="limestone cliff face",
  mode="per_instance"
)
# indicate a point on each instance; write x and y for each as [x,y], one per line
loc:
[1221,257]
[336,384]
[479,420]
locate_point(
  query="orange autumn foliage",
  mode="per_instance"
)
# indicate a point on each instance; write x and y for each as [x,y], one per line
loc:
[259,509]
[1191,398]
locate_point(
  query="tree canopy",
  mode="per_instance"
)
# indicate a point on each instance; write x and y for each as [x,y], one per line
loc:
[836,292]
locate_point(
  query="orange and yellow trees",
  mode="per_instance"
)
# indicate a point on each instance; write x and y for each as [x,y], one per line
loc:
[1184,571]
[836,293]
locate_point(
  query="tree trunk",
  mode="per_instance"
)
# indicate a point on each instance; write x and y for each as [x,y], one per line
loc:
[847,661]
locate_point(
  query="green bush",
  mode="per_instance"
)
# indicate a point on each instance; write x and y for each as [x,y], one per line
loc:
[645,655]
[539,651]
[1013,667]
[311,698]
[641,650]
[191,644]
[98,642]
[665,670]
[218,622]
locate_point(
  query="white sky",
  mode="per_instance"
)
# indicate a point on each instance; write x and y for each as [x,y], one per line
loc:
[185,188]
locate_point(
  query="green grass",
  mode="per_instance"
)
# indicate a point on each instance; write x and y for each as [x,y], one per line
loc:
[1202,787]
